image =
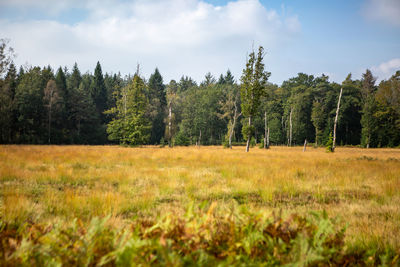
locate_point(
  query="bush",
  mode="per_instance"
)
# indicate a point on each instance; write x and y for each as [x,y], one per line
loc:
[329,144]
[162,142]
[181,139]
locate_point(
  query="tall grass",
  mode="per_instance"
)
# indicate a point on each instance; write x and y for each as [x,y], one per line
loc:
[48,184]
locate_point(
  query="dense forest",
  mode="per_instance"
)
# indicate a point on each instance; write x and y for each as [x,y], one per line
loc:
[40,105]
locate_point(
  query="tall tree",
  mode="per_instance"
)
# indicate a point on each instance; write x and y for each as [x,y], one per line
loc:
[388,111]
[8,116]
[157,106]
[254,80]
[349,126]
[174,105]
[6,55]
[75,78]
[99,92]
[86,126]
[130,124]
[368,102]
[53,103]
[30,108]
[230,105]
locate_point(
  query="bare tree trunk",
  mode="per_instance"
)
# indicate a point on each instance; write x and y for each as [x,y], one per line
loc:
[79,127]
[336,118]
[265,130]
[268,138]
[169,125]
[290,126]
[369,137]
[125,108]
[248,137]
[235,117]
[200,138]
[305,145]
[49,130]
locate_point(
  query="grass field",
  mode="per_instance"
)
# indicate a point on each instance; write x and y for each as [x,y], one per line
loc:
[53,185]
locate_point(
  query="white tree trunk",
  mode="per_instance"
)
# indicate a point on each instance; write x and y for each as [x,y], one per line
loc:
[305,145]
[336,118]
[290,126]
[248,137]
[200,138]
[232,129]
[265,130]
[49,122]
[169,125]
[268,138]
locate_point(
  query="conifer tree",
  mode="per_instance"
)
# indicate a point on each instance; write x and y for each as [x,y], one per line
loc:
[130,125]
[157,106]
[368,102]
[99,92]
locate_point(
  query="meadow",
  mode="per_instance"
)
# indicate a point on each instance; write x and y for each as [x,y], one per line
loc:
[46,190]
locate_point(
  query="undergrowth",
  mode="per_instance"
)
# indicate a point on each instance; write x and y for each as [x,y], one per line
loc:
[203,236]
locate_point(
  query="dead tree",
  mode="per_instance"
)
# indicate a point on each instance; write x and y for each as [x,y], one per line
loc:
[290,126]
[305,145]
[266,132]
[169,124]
[233,124]
[336,119]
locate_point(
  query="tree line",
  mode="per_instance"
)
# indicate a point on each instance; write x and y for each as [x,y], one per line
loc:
[39,105]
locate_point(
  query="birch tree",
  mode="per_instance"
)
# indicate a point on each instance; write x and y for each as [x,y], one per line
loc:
[230,108]
[52,99]
[253,87]
[336,119]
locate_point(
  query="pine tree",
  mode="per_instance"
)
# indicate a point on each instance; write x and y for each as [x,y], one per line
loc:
[7,107]
[99,92]
[130,125]
[157,106]
[30,108]
[229,79]
[368,102]
[75,78]
[86,127]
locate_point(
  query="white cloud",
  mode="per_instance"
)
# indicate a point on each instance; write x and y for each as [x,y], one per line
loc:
[386,69]
[387,11]
[188,37]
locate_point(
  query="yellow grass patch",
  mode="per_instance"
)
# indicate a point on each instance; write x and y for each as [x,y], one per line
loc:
[44,183]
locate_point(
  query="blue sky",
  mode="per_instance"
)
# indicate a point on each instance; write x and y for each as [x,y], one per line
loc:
[193,37]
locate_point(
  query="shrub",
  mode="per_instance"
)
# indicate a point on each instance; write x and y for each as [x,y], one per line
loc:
[329,144]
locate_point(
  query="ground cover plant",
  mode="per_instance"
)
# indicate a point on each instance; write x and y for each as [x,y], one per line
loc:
[93,205]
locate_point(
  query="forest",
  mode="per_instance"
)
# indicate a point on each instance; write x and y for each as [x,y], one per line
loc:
[41,105]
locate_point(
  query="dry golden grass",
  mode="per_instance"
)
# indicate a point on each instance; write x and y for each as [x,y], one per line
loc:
[59,183]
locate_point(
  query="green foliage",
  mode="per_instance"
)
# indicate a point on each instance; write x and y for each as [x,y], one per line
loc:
[162,142]
[181,139]
[130,124]
[253,80]
[329,144]
[203,236]
[98,91]
[157,106]
[247,130]
[253,88]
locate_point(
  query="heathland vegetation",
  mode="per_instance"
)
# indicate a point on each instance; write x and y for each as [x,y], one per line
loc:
[90,204]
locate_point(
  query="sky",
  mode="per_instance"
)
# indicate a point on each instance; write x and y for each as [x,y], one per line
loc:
[193,37]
